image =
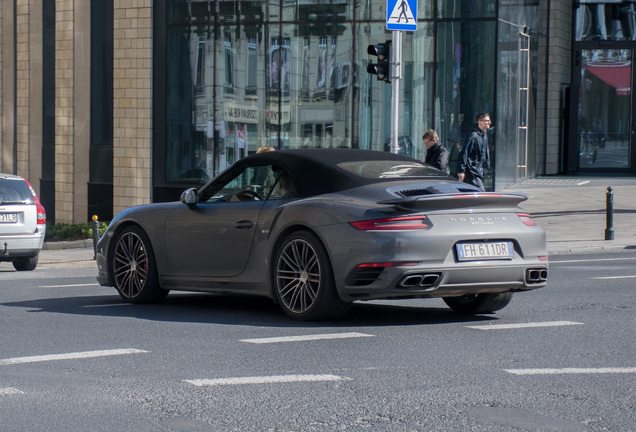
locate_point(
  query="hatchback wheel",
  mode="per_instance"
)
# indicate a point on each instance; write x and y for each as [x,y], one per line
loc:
[303,279]
[134,268]
[26,263]
[479,303]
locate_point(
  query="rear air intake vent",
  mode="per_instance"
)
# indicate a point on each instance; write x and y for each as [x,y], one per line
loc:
[414,192]
[364,276]
[466,189]
[435,189]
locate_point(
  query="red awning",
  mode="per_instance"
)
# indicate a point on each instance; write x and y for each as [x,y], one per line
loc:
[617,75]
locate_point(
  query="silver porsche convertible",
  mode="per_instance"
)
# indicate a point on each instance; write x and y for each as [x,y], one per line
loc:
[317,229]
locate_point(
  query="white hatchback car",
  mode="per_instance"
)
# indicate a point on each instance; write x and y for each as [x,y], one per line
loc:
[22,223]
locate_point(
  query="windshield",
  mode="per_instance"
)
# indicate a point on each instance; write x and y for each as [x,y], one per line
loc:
[380,169]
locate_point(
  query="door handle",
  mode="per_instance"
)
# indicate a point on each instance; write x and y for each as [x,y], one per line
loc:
[244,224]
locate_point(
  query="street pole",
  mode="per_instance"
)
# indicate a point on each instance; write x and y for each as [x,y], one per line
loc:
[396,74]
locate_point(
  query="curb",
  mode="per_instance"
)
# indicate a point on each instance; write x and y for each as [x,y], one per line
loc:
[75,244]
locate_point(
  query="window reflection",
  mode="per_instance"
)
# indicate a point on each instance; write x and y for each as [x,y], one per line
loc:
[605,108]
[236,82]
[610,20]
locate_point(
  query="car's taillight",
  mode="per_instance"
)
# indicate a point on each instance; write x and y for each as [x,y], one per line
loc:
[395,223]
[38,206]
[526,219]
[389,264]
[41,214]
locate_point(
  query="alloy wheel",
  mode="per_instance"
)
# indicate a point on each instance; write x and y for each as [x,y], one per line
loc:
[298,276]
[130,265]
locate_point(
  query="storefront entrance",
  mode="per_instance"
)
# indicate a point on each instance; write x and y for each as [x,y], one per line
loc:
[603,136]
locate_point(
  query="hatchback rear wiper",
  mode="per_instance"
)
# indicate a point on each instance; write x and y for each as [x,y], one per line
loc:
[13,202]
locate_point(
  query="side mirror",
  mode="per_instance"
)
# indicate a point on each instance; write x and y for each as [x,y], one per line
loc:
[189,197]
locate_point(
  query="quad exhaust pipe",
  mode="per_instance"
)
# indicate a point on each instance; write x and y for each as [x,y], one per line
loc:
[425,280]
[536,275]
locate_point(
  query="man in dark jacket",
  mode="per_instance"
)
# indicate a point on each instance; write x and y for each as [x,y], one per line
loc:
[436,154]
[474,161]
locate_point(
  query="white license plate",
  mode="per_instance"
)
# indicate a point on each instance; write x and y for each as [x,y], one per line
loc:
[480,251]
[8,217]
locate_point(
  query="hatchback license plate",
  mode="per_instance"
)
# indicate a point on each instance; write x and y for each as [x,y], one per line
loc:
[8,217]
[480,251]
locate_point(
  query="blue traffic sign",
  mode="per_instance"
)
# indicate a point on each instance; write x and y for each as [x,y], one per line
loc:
[401,15]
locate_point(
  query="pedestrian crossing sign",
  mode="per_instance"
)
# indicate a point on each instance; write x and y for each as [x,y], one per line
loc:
[401,15]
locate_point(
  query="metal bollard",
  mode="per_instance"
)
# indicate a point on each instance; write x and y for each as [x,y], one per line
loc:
[95,235]
[609,214]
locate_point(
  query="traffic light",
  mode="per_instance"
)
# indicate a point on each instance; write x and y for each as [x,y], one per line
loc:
[383,67]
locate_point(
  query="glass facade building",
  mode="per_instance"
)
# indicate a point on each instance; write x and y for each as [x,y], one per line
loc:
[233,76]
[108,104]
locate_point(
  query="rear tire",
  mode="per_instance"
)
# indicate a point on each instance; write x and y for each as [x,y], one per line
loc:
[303,279]
[26,263]
[134,268]
[479,303]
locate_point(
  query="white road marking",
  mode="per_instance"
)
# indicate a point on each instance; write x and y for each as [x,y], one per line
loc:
[9,391]
[614,277]
[306,338]
[524,325]
[265,380]
[69,286]
[591,260]
[614,370]
[70,356]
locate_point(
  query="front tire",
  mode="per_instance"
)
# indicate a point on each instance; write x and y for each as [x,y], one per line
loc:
[26,263]
[134,268]
[303,279]
[479,303]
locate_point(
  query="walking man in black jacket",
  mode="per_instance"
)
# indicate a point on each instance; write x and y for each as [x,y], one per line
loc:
[474,161]
[436,154]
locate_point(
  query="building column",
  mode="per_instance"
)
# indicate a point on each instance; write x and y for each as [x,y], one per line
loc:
[557,44]
[132,105]
[7,87]
[72,102]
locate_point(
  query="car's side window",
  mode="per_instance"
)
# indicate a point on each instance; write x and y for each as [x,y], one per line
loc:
[284,188]
[252,183]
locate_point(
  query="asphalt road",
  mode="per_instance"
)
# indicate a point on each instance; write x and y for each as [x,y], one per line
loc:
[73,357]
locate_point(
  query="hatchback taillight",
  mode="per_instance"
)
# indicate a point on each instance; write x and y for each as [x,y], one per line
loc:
[41,212]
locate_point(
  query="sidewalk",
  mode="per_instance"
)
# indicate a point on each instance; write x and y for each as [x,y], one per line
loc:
[68,254]
[572,211]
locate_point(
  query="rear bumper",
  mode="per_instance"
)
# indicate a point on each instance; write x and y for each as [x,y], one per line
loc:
[20,246]
[455,281]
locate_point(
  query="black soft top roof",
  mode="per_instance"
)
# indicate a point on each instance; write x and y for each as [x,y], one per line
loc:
[315,170]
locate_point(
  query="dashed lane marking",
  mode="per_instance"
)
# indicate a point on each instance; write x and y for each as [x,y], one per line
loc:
[614,277]
[69,286]
[524,325]
[70,356]
[273,379]
[562,371]
[306,338]
[576,261]
[9,391]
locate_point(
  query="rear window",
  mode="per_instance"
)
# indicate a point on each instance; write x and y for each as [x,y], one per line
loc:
[382,169]
[15,192]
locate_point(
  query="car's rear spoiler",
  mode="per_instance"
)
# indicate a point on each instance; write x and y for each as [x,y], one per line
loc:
[481,200]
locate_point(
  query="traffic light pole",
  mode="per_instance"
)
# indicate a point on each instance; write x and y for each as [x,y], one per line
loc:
[396,74]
